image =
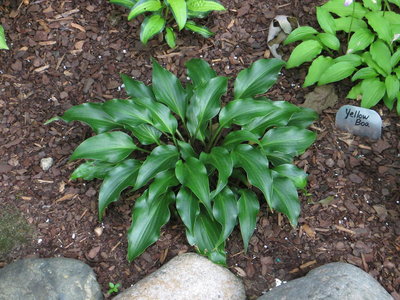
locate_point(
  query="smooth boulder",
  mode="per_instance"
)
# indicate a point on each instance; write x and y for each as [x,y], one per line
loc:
[49,279]
[334,281]
[187,276]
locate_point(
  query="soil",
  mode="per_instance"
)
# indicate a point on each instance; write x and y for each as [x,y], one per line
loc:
[70,52]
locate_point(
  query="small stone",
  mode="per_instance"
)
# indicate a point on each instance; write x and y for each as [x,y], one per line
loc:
[98,231]
[355,178]
[340,246]
[321,98]
[93,252]
[46,163]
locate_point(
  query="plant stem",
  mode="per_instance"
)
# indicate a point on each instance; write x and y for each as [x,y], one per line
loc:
[180,135]
[141,149]
[214,138]
[387,5]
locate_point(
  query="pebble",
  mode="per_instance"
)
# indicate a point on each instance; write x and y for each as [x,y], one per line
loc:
[355,178]
[98,231]
[330,162]
[46,163]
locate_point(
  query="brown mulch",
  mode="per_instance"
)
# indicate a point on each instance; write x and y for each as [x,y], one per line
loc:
[69,52]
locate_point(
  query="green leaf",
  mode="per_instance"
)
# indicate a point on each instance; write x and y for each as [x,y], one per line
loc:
[186,150]
[168,90]
[397,2]
[237,137]
[394,60]
[258,78]
[374,5]
[160,159]
[373,91]
[300,34]
[146,134]
[127,112]
[193,175]
[325,20]
[117,180]
[205,105]
[199,71]
[143,6]
[371,63]
[317,68]
[355,92]
[109,147]
[295,174]
[170,37]
[151,26]
[398,104]
[136,89]
[179,10]
[349,24]
[380,25]
[278,158]
[256,165]
[360,40]
[126,3]
[147,219]
[304,118]
[389,103]
[225,211]
[329,40]
[354,59]
[92,169]
[220,159]
[290,139]
[242,112]
[304,52]
[248,207]
[188,207]
[364,73]
[285,199]
[381,54]
[204,5]
[3,44]
[91,114]
[203,31]
[337,7]
[392,86]
[161,184]
[336,72]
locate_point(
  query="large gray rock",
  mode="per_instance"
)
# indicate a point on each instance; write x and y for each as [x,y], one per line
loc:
[48,279]
[188,276]
[334,281]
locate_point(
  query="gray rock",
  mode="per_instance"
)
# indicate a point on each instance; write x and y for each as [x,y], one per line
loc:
[321,98]
[48,279]
[334,281]
[188,276]
[46,163]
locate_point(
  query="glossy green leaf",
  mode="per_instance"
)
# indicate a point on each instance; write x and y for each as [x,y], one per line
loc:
[336,72]
[193,175]
[160,159]
[126,3]
[304,118]
[237,137]
[248,207]
[92,169]
[3,44]
[355,92]
[278,158]
[136,89]
[304,52]
[127,112]
[285,199]
[147,219]
[199,71]
[290,139]
[295,174]
[203,31]
[380,25]
[219,158]
[317,68]
[337,7]
[349,24]
[161,184]
[364,73]
[146,134]
[118,179]
[109,147]
[360,40]
[91,114]
[325,20]
[392,86]
[170,37]
[186,150]
[168,90]
[205,105]
[188,207]
[258,78]
[300,34]
[225,211]
[329,40]
[204,5]
[256,165]
[373,91]
[381,54]
[143,6]
[179,11]
[151,26]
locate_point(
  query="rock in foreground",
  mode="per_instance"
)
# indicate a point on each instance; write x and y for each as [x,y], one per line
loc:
[188,276]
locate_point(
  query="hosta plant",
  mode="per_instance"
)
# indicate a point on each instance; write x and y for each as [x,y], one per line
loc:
[370,58]
[170,16]
[3,44]
[184,151]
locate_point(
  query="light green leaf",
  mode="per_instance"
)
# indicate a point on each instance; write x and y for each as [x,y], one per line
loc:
[248,207]
[360,40]
[381,54]
[237,137]
[147,219]
[258,78]
[373,91]
[398,104]
[136,89]
[300,34]
[374,5]
[354,59]
[317,68]
[304,118]
[397,2]
[364,73]
[163,181]
[336,72]
[151,26]
[92,169]
[109,147]
[337,7]
[199,71]
[380,25]
[160,159]
[325,20]
[329,40]
[168,90]
[295,174]
[146,134]
[170,37]
[225,211]
[392,86]
[188,207]
[127,112]
[204,5]
[203,31]
[126,3]
[355,92]
[349,24]
[394,60]
[304,52]
[179,10]
[367,58]
[143,6]
[3,44]
[117,180]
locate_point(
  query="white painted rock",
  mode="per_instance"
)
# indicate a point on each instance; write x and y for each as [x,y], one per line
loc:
[187,276]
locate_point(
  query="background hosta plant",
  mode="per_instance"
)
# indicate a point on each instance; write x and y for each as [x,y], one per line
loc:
[3,44]
[162,13]
[371,57]
[204,160]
